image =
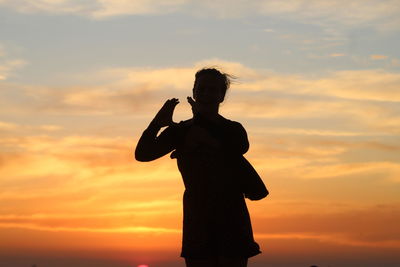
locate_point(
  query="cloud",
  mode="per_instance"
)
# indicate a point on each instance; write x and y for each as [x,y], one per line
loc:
[314,158]
[378,57]
[116,90]
[374,226]
[95,8]
[139,229]
[366,98]
[7,125]
[92,185]
[46,155]
[14,127]
[94,182]
[270,107]
[316,116]
[392,170]
[8,63]
[177,78]
[311,132]
[337,55]
[125,7]
[372,13]
[395,62]
[316,149]
[338,11]
[50,6]
[90,172]
[362,225]
[7,67]
[75,167]
[89,100]
[376,85]
[330,239]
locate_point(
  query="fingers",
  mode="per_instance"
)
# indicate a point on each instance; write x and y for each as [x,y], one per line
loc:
[193,104]
[191,101]
[171,103]
[174,100]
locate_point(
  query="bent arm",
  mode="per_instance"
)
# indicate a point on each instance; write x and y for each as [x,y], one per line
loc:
[151,146]
[235,140]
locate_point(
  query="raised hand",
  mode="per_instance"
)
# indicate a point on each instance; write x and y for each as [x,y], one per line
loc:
[164,115]
[193,104]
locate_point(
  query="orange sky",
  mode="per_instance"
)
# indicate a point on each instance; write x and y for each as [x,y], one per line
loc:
[86,196]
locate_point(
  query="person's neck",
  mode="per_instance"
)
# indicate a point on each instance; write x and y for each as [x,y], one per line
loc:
[209,112]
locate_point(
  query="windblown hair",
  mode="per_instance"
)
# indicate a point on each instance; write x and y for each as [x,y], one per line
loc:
[224,78]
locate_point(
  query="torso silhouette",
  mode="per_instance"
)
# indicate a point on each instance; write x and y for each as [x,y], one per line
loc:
[216,221]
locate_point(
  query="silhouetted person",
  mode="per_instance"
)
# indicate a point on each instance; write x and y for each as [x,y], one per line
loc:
[216,223]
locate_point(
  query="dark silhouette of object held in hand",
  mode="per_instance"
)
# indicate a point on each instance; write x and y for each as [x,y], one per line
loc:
[209,152]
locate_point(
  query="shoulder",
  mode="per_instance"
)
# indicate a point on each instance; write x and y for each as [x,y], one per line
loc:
[179,128]
[185,123]
[233,125]
[182,126]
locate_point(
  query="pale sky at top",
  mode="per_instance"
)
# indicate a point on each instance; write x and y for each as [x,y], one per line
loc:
[56,39]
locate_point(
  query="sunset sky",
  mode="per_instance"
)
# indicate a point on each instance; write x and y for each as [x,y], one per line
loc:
[318,91]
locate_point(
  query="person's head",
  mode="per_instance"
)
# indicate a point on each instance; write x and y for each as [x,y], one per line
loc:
[210,86]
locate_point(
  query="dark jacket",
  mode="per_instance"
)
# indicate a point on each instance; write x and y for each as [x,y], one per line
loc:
[216,221]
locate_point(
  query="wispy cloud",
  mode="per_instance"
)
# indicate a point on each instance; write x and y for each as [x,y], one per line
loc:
[377,85]
[125,7]
[374,13]
[71,167]
[331,239]
[338,11]
[325,158]
[95,8]
[354,225]
[337,55]
[8,66]
[378,57]
[7,125]
[137,229]
[324,136]
[367,227]
[363,97]
[98,188]
[14,127]
[351,169]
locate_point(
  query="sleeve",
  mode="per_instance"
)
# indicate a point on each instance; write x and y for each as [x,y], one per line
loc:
[235,139]
[151,146]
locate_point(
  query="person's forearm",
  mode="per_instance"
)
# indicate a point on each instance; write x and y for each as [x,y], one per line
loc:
[146,145]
